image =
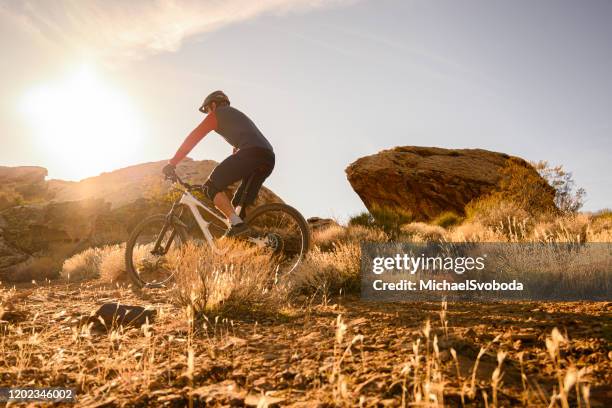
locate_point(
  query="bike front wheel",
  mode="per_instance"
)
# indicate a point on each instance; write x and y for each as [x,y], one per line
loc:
[149,250]
[283,231]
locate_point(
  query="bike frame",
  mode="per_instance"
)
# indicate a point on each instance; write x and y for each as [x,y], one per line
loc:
[192,203]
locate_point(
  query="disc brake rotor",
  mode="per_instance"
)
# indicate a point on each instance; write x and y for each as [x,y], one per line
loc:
[274,242]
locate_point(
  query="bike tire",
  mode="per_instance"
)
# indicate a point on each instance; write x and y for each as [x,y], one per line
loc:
[131,242]
[292,212]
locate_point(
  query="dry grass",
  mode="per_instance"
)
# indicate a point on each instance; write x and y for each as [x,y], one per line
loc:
[84,265]
[112,264]
[107,263]
[347,354]
[431,375]
[447,219]
[422,232]
[333,265]
[208,281]
[339,352]
[329,272]
[326,239]
[474,232]
[490,211]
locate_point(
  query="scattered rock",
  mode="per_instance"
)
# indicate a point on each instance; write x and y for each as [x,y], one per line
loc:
[13,315]
[115,314]
[317,223]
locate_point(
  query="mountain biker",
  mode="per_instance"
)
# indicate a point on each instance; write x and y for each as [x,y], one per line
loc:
[252,155]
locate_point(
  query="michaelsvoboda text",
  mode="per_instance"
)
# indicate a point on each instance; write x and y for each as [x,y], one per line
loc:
[444,285]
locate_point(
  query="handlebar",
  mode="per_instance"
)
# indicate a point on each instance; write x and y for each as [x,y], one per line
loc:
[189,187]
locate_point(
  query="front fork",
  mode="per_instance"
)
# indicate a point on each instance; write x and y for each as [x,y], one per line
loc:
[175,214]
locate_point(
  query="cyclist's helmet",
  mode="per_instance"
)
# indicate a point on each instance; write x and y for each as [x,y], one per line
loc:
[217,96]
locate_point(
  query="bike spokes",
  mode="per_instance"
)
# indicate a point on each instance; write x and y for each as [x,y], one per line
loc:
[152,254]
[282,233]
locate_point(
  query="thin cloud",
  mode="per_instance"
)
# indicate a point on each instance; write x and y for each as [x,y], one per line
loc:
[124,30]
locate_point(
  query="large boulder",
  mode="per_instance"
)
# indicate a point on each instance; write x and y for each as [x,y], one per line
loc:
[427,181]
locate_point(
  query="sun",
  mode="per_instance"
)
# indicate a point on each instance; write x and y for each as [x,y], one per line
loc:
[84,124]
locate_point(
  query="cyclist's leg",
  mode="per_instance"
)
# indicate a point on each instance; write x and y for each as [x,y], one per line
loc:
[249,187]
[246,194]
[238,194]
[223,175]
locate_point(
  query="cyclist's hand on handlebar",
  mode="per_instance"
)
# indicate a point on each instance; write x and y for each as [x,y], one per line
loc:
[169,171]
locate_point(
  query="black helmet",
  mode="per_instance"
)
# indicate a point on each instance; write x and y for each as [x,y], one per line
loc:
[217,96]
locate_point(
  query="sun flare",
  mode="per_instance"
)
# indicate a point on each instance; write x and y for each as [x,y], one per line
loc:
[84,124]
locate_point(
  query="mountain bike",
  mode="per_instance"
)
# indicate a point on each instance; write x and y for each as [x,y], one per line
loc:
[276,228]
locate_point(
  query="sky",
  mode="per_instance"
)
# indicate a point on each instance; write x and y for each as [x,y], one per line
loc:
[91,86]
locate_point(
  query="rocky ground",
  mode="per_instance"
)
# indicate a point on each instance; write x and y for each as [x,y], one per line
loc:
[342,352]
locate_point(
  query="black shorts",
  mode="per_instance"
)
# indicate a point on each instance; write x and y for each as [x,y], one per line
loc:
[255,161]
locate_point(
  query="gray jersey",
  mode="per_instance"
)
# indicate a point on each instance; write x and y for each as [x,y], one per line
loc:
[238,130]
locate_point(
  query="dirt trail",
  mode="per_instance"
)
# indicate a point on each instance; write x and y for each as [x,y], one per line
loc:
[295,356]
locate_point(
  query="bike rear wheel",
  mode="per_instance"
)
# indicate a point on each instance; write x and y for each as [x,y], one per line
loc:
[149,249]
[283,231]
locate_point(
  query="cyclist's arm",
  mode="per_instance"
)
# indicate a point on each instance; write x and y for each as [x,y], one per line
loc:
[208,124]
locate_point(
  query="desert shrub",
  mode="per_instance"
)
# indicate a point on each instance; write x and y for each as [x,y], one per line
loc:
[601,227]
[209,281]
[422,232]
[521,197]
[447,219]
[524,188]
[491,211]
[387,219]
[363,219]
[474,231]
[107,263]
[605,214]
[602,220]
[329,272]
[504,217]
[568,228]
[390,220]
[84,265]
[327,238]
[568,197]
[112,264]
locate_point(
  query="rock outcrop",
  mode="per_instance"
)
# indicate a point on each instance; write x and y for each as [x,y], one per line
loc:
[19,184]
[318,223]
[129,184]
[95,211]
[427,181]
